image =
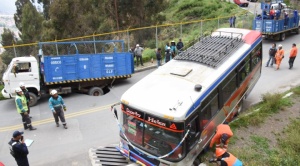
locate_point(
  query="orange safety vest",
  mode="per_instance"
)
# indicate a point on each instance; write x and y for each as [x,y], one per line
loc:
[230,160]
[221,129]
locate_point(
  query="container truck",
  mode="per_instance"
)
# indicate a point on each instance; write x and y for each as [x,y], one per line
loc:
[275,24]
[85,66]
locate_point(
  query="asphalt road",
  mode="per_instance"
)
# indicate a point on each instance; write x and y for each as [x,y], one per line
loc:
[90,122]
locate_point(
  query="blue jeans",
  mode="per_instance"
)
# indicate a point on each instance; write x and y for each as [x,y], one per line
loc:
[271,58]
[158,63]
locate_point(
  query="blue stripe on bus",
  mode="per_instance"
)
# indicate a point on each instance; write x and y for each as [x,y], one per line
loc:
[208,91]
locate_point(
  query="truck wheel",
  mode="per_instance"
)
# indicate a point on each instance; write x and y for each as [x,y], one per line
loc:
[282,37]
[33,99]
[96,91]
[298,30]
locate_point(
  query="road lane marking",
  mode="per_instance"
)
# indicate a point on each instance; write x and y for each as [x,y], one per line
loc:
[51,120]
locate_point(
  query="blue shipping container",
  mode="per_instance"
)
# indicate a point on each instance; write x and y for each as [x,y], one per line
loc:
[87,66]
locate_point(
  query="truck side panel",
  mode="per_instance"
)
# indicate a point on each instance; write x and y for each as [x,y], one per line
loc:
[275,26]
[86,66]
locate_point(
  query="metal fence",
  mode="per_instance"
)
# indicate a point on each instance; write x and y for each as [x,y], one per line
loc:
[152,36]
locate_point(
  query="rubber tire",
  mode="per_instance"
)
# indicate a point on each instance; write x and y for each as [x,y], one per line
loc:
[33,99]
[282,37]
[298,31]
[196,162]
[95,91]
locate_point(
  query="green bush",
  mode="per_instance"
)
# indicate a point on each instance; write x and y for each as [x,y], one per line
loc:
[1,97]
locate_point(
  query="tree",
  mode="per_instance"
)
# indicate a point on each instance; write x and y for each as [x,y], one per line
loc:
[8,39]
[31,24]
[46,7]
[18,15]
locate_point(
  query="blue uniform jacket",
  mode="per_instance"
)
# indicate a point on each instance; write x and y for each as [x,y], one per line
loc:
[56,102]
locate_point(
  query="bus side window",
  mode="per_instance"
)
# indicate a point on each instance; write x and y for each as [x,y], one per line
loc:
[228,86]
[243,70]
[210,107]
[193,135]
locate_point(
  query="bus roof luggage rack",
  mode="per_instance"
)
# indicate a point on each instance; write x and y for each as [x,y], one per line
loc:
[212,50]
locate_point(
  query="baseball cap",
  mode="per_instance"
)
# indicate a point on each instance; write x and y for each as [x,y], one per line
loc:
[17,133]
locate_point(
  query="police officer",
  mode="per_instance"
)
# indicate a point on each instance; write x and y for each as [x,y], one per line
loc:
[26,93]
[22,108]
[57,106]
[18,149]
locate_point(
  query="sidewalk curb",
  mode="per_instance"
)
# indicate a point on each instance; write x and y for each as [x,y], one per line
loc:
[145,68]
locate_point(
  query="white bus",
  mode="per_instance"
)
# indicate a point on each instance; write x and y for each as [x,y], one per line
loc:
[170,116]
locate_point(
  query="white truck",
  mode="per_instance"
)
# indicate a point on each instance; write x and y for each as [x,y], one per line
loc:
[87,72]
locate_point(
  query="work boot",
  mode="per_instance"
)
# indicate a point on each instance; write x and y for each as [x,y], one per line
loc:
[25,126]
[32,128]
[57,124]
[65,126]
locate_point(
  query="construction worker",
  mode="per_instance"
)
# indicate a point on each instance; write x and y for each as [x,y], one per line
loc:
[279,56]
[57,106]
[22,108]
[293,55]
[26,93]
[223,133]
[226,158]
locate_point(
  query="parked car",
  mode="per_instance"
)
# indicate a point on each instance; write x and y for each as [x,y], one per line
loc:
[242,3]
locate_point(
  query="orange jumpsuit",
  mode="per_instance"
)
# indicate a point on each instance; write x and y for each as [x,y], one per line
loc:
[279,56]
[221,129]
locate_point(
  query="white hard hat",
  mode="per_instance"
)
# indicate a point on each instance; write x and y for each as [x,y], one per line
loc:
[137,45]
[18,89]
[21,84]
[279,45]
[53,92]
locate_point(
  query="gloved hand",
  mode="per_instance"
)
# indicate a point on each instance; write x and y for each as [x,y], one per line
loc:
[65,108]
[25,113]
[212,160]
[53,111]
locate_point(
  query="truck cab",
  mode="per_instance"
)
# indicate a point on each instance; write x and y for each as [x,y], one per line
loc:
[22,69]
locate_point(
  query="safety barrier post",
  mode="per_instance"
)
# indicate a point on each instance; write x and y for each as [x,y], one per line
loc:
[201,28]
[181,30]
[128,39]
[94,43]
[156,38]
[15,50]
[56,47]
[218,22]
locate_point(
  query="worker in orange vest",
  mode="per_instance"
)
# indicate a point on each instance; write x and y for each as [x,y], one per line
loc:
[226,158]
[279,56]
[293,55]
[223,133]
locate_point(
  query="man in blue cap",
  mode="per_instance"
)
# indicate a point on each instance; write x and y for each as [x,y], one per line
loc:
[18,149]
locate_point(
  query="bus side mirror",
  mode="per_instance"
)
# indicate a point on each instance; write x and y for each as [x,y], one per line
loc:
[116,113]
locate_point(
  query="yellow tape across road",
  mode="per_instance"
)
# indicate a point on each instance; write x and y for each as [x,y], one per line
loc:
[51,120]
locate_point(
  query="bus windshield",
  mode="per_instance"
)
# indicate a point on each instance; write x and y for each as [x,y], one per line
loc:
[155,135]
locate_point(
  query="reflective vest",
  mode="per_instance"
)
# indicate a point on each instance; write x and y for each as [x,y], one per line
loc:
[232,160]
[24,103]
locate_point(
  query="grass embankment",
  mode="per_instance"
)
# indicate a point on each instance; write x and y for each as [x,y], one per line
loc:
[183,11]
[1,97]
[258,150]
